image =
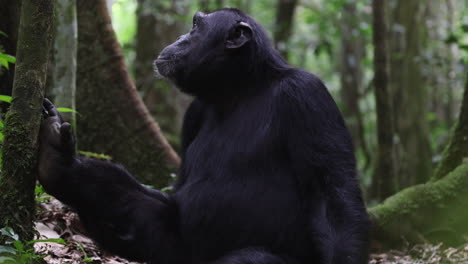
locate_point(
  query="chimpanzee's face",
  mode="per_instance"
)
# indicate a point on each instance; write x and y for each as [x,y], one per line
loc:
[205,50]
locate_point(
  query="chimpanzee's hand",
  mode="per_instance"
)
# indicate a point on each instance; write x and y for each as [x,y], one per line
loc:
[56,144]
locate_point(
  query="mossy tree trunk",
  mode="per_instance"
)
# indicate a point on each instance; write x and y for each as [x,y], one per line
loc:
[113,119]
[457,149]
[284,25]
[23,119]
[384,178]
[64,68]
[351,76]
[408,37]
[432,212]
[435,211]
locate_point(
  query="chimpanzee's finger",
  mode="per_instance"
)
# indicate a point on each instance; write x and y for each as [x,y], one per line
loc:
[51,110]
[67,138]
[47,104]
[45,113]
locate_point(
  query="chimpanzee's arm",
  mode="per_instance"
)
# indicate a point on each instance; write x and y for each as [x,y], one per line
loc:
[123,216]
[193,121]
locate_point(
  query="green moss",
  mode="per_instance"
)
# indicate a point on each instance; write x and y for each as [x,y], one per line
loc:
[415,213]
[18,179]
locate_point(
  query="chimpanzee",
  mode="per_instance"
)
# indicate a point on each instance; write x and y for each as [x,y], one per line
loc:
[268,173]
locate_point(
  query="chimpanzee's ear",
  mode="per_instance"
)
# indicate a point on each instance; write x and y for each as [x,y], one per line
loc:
[239,34]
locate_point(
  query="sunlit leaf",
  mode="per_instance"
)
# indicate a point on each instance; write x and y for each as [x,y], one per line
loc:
[8,231]
[5,98]
[53,240]
[95,155]
[4,63]
[8,58]
[66,110]
[5,59]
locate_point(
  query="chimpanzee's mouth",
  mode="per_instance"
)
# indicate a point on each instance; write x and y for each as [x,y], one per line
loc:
[164,59]
[163,67]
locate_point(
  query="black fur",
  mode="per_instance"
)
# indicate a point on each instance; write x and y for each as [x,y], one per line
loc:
[268,173]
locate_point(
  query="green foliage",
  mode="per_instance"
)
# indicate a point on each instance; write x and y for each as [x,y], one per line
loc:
[40,194]
[5,59]
[5,98]
[124,20]
[88,154]
[66,110]
[85,256]
[124,23]
[14,251]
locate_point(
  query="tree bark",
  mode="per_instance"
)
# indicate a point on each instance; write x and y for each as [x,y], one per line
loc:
[432,212]
[212,5]
[409,93]
[23,119]
[435,211]
[204,5]
[158,25]
[283,25]
[113,119]
[457,149]
[352,51]
[441,68]
[64,68]
[383,180]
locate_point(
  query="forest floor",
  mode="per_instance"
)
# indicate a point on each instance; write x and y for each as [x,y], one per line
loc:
[57,221]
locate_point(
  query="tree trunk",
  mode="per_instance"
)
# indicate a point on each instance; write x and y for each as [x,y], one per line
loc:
[64,68]
[352,51]
[452,58]
[113,119]
[457,149]
[432,212]
[409,93]
[204,5]
[283,25]
[219,4]
[207,6]
[158,25]
[383,180]
[9,23]
[23,119]
[435,211]
[244,5]
[441,67]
